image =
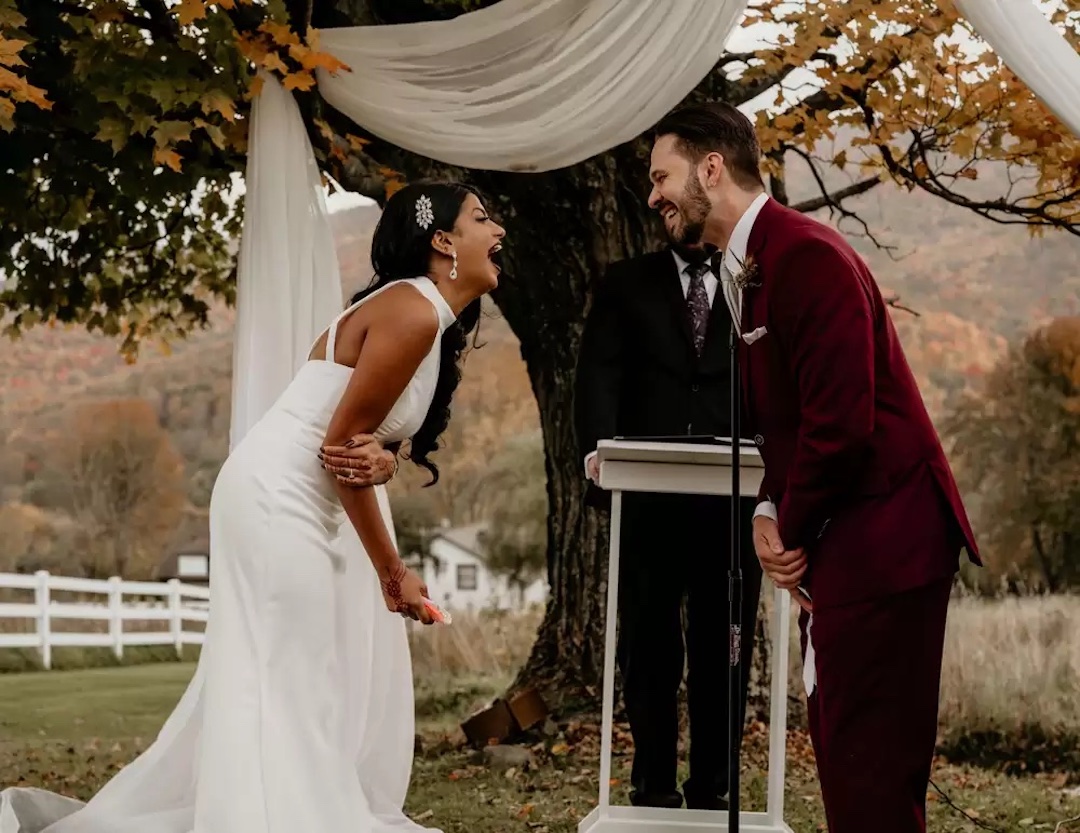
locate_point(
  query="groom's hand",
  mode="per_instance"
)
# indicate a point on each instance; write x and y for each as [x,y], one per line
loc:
[784,567]
[362,461]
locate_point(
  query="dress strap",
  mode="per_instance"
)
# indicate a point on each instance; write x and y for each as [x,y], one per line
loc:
[331,333]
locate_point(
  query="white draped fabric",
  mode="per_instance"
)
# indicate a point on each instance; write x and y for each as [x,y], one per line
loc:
[527,85]
[1029,45]
[288,287]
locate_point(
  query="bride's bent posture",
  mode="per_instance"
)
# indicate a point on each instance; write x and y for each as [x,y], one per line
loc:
[299,717]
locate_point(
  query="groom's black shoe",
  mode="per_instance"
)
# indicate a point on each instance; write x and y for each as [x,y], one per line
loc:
[666,800]
[705,801]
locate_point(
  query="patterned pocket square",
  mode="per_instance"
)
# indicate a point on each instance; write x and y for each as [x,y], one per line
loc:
[750,338]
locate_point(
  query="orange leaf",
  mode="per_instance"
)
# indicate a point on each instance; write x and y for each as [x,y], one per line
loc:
[392,187]
[280,33]
[256,86]
[356,142]
[299,81]
[190,10]
[273,62]
[315,60]
[170,158]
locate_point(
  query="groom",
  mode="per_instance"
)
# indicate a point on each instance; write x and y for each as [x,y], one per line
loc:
[862,521]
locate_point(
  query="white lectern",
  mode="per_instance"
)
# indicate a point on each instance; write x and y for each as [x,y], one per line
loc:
[684,468]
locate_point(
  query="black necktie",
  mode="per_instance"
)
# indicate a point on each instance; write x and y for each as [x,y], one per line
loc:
[697,302]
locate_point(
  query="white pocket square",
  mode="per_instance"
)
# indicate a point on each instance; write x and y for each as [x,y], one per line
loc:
[750,338]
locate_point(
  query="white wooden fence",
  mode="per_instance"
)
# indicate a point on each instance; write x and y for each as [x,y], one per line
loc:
[170,602]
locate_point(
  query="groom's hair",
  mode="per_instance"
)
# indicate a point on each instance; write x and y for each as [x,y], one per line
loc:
[716,127]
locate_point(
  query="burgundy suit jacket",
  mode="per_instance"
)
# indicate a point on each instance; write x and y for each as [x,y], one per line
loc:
[852,460]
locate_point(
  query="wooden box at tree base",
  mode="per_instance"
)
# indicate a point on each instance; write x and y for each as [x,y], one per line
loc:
[528,709]
[504,718]
[491,725]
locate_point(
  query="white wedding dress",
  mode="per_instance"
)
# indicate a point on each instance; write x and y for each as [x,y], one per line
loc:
[299,718]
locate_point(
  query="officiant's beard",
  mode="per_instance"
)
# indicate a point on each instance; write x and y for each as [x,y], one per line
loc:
[693,208]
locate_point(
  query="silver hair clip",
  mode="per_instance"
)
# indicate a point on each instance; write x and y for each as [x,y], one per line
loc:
[424,215]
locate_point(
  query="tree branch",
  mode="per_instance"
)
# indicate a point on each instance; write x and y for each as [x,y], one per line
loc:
[836,197]
[835,206]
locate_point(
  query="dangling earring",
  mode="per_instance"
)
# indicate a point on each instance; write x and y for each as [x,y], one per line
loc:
[453,270]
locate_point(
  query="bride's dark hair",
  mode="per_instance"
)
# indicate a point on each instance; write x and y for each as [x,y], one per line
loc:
[401,248]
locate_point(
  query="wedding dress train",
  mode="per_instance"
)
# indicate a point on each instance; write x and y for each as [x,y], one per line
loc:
[299,718]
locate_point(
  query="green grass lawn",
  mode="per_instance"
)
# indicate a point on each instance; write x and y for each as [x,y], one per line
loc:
[70,731]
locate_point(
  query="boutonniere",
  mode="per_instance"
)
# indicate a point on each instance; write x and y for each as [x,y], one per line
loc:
[748,274]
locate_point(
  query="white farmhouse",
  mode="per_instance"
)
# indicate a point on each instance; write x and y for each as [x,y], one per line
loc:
[458,579]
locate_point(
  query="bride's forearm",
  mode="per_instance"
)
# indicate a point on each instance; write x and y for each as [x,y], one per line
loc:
[362,507]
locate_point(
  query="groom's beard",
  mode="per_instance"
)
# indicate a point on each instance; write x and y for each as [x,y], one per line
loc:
[693,208]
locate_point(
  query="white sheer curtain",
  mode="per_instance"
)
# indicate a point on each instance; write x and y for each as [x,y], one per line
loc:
[288,284]
[1027,42]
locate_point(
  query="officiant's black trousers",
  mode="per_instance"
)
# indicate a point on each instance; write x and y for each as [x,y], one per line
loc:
[676,547]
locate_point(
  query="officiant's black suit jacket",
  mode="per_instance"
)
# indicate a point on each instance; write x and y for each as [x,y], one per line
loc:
[638,372]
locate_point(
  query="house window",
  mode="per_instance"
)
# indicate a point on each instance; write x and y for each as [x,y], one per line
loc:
[466,577]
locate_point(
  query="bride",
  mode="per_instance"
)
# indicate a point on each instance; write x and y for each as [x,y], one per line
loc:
[299,716]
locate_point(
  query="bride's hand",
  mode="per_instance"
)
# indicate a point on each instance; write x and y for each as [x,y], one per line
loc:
[360,462]
[404,592]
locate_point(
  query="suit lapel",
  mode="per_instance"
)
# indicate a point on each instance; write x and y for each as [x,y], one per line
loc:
[751,315]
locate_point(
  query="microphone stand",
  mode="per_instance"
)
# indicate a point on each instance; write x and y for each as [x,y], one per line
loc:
[735,580]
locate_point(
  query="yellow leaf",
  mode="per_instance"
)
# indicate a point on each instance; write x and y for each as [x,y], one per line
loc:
[217,101]
[169,158]
[281,33]
[273,62]
[356,142]
[256,86]
[299,81]
[190,10]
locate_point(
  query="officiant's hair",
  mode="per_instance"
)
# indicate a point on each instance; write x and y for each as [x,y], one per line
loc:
[716,126]
[401,249]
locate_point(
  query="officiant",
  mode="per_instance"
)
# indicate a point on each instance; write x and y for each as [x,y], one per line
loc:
[655,361]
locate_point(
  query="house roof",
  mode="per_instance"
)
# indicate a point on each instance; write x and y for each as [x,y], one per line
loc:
[466,538]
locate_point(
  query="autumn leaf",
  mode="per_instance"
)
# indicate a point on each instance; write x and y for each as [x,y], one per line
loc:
[113,131]
[171,132]
[190,10]
[299,81]
[217,101]
[356,142]
[281,33]
[9,52]
[7,111]
[216,134]
[169,158]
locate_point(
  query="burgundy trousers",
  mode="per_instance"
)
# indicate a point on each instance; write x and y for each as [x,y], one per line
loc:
[873,713]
